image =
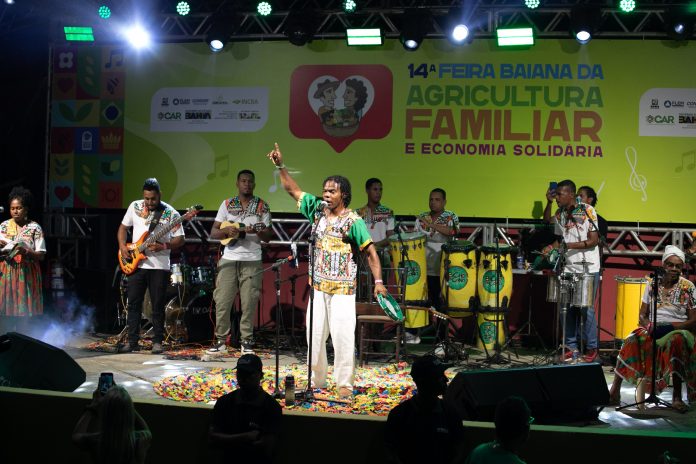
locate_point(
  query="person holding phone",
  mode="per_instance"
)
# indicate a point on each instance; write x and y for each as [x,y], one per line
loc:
[110,429]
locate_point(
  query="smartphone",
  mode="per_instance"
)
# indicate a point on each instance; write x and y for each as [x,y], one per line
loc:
[106,381]
[553,185]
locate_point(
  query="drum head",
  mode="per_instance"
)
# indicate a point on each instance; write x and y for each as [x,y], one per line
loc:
[174,323]
[199,318]
[458,245]
[500,249]
[406,236]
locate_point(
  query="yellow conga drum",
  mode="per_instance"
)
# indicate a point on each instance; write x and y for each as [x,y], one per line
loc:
[458,277]
[629,295]
[408,251]
[490,324]
[495,285]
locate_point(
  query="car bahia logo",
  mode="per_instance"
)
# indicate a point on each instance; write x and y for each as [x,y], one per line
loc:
[659,119]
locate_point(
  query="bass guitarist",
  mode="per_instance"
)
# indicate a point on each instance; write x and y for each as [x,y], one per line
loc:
[242,222]
[153,273]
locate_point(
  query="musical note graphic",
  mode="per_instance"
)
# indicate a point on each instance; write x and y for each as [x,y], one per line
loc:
[223,160]
[273,188]
[637,182]
[690,167]
[117,52]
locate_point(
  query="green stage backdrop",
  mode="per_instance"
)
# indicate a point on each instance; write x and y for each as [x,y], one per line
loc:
[491,126]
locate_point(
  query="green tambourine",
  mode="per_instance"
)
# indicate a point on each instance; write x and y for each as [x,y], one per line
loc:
[391,307]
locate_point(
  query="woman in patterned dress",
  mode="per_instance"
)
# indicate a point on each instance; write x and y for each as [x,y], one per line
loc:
[675,328]
[23,247]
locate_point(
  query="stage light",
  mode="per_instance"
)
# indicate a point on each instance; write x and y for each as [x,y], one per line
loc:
[264,8]
[515,36]
[104,12]
[627,5]
[10,2]
[221,31]
[532,4]
[456,28]
[138,37]
[300,27]
[357,37]
[584,22]
[416,23]
[78,34]
[183,8]
[679,23]
[349,6]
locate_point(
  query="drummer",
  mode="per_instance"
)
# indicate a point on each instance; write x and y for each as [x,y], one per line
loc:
[576,223]
[378,218]
[440,226]
[238,269]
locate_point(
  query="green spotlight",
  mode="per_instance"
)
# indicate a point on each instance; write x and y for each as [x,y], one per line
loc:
[349,6]
[532,4]
[515,37]
[364,36]
[627,5]
[104,12]
[183,8]
[264,8]
[78,34]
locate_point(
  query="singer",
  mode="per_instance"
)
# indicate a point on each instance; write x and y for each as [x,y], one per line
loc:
[675,327]
[576,222]
[339,233]
[238,269]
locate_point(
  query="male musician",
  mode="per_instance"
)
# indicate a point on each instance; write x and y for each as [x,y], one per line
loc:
[153,274]
[340,233]
[378,218]
[440,226]
[238,269]
[576,222]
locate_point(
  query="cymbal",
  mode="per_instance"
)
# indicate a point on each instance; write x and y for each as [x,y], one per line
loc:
[584,262]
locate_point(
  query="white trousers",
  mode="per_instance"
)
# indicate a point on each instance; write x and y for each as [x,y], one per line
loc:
[335,315]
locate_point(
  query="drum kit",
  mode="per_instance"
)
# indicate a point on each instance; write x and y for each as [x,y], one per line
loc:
[189,312]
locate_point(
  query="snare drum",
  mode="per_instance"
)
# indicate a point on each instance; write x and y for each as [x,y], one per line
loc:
[415,265]
[203,276]
[629,296]
[495,285]
[458,270]
[583,290]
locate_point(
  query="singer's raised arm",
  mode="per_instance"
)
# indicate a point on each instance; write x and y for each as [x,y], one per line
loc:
[288,182]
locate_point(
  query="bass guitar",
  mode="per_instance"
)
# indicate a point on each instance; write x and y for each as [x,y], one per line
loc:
[130,263]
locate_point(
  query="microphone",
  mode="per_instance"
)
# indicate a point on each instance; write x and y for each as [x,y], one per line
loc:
[323,204]
[293,248]
[280,262]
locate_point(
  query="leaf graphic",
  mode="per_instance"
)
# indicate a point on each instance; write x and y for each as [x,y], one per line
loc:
[66,112]
[84,111]
[86,180]
[89,59]
[86,170]
[87,191]
[88,80]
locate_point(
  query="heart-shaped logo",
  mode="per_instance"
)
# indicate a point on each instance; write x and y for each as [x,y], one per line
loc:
[62,192]
[341,103]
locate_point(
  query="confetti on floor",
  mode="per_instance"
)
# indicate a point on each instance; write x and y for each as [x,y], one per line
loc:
[376,390]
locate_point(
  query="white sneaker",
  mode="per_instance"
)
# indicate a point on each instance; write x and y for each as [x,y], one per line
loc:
[247,347]
[411,339]
[439,350]
[219,348]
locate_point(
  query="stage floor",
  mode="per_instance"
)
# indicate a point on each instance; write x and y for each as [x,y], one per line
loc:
[144,374]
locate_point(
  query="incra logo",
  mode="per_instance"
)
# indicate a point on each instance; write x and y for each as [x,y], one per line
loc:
[341,103]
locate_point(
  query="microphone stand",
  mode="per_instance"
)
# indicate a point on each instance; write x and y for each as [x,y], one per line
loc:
[652,398]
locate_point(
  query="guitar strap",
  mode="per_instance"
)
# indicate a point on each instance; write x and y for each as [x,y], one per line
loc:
[156,218]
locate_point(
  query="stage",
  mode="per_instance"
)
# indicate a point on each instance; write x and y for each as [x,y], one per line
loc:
[174,378]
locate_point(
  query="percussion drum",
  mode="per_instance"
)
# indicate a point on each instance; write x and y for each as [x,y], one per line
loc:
[489,324]
[458,270]
[415,273]
[583,290]
[629,296]
[556,290]
[203,276]
[180,274]
[492,280]
[174,326]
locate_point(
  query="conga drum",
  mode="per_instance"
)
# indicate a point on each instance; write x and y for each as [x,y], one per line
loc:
[490,325]
[458,271]
[494,284]
[629,295]
[408,251]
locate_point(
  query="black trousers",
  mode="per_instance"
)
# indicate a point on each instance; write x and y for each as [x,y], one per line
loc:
[156,281]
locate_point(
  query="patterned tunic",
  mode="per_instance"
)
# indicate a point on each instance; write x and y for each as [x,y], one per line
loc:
[20,279]
[335,268]
[576,227]
[257,211]
[378,222]
[433,245]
